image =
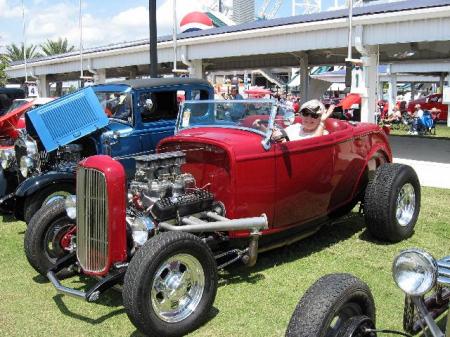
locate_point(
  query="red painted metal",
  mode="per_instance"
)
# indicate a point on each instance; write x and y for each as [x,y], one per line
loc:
[116,190]
[293,183]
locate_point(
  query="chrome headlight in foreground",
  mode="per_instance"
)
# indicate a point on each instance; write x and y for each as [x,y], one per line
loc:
[26,164]
[140,227]
[6,157]
[415,272]
[71,206]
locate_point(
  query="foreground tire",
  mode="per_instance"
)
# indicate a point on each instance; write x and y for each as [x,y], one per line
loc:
[48,236]
[392,202]
[52,193]
[170,285]
[328,305]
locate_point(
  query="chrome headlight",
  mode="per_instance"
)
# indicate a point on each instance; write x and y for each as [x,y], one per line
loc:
[71,206]
[26,164]
[6,157]
[31,148]
[140,227]
[415,272]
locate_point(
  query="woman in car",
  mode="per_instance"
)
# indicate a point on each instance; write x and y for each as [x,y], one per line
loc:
[314,116]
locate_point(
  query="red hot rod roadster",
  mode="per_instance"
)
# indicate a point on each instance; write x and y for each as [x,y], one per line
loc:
[219,191]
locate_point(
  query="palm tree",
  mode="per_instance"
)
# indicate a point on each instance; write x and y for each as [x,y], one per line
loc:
[15,53]
[3,64]
[59,46]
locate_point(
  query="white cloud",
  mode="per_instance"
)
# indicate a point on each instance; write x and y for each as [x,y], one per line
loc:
[8,11]
[60,19]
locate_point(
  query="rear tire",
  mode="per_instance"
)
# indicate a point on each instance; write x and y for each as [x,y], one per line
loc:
[392,202]
[170,285]
[328,304]
[45,234]
[35,201]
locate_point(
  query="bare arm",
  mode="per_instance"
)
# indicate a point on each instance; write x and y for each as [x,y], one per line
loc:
[321,128]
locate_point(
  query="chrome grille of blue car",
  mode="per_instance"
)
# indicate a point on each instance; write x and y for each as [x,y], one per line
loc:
[92,220]
[444,271]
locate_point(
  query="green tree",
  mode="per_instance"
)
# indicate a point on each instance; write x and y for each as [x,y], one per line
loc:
[3,65]
[15,53]
[59,46]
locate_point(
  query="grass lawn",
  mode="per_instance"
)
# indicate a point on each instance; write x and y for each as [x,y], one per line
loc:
[249,302]
[442,131]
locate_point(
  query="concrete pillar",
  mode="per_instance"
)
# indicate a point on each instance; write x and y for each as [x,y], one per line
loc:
[392,91]
[380,90]
[441,83]
[253,78]
[43,86]
[413,91]
[368,98]
[304,77]
[196,70]
[100,77]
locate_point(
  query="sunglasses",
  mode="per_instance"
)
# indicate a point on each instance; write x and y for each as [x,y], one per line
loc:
[306,113]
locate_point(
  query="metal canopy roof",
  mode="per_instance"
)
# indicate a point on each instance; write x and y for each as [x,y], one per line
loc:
[397,27]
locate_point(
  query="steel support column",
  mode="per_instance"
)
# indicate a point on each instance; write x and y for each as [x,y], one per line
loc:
[368,98]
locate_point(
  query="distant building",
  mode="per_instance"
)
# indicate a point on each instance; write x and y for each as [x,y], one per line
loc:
[243,11]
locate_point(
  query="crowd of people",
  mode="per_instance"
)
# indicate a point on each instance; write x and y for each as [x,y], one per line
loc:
[418,122]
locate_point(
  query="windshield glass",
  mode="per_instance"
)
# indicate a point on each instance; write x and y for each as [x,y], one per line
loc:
[15,104]
[253,115]
[116,104]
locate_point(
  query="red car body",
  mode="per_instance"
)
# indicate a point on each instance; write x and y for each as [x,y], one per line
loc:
[327,172]
[14,120]
[429,102]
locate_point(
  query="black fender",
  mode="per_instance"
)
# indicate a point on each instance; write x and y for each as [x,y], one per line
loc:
[37,183]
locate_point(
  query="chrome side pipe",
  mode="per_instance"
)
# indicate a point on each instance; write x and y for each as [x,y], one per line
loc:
[195,225]
[255,225]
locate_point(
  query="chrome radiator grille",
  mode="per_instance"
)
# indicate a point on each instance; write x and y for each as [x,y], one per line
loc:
[444,271]
[92,220]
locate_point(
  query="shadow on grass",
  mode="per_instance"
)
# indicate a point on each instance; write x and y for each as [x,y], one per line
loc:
[66,311]
[213,313]
[329,235]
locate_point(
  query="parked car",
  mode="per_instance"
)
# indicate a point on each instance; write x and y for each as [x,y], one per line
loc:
[429,102]
[10,125]
[215,192]
[343,305]
[119,119]
[7,96]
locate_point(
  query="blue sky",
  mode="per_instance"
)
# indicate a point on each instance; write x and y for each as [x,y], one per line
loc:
[103,22]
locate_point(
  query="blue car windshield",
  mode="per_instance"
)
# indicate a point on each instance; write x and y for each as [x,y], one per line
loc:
[116,104]
[252,115]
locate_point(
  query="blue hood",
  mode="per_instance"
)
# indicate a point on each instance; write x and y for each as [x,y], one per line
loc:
[68,118]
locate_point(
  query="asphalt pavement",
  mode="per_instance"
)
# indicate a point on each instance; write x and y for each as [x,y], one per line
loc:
[430,158]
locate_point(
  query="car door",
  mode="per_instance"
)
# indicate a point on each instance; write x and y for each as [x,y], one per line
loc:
[157,121]
[304,171]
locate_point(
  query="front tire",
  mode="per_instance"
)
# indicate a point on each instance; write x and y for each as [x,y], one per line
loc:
[49,194]
[48,236]
[392,202]
[328,305]
[170,285]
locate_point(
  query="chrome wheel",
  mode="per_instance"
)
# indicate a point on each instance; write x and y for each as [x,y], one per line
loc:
[55,196]
[406,204]
[177,288]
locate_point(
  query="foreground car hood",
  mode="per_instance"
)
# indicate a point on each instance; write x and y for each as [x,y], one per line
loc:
[235,140]
[66,119]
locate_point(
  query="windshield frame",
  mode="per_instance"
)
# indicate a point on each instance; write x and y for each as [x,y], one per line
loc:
[274,109]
